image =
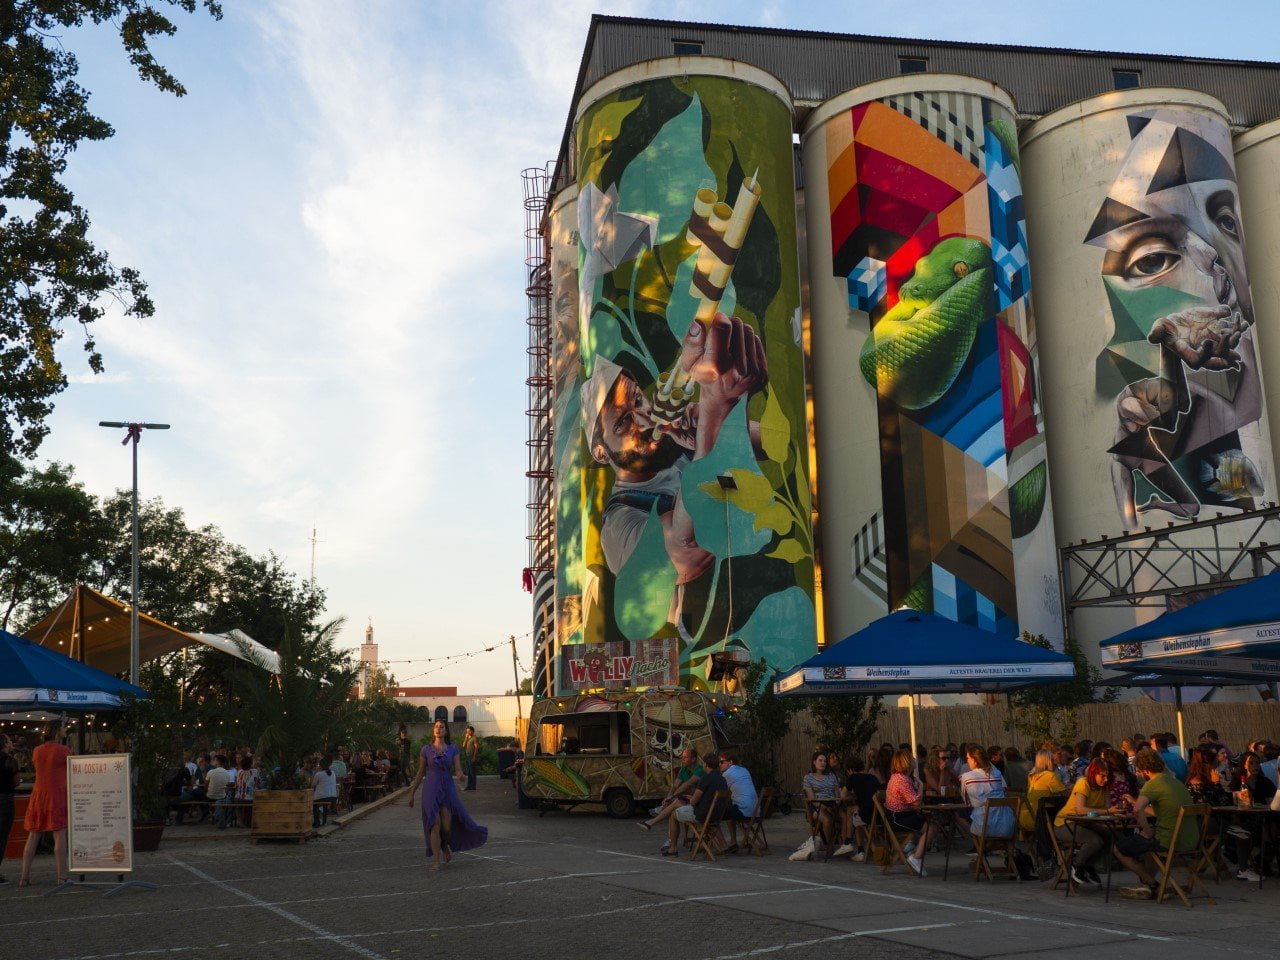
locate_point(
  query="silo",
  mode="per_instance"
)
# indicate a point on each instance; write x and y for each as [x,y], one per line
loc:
[1258,169]
[930,436]
[568,447]
[696,543]
[1154,400]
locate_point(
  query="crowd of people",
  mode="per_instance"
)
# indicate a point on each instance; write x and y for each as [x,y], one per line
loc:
[1144,778]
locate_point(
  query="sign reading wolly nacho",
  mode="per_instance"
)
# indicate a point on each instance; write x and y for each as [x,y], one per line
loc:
[100,828]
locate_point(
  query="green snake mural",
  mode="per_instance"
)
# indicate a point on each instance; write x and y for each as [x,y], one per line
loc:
[918,348]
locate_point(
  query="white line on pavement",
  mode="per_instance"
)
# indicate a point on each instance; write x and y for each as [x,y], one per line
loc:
[798,944]
[320,932]
[381,895]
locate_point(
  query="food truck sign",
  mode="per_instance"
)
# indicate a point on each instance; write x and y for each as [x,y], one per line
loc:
[616,665]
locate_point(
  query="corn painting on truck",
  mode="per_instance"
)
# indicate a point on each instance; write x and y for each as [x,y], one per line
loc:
[618,747]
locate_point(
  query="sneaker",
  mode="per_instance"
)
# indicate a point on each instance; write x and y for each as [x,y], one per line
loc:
[908,846]
[1238,831]
[1250,875]
[858,821]
[1081,876]
[844,850]
[654,811]
[1139,892]
[860,857]
[917,866]
[666,845]
[801,855]
[645,825]
[1093,876]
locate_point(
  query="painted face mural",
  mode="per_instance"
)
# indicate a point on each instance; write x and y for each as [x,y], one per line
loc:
[1180,363]
[694,490]
[927,225]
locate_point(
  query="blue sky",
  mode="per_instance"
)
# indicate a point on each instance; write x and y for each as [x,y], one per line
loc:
[331,224]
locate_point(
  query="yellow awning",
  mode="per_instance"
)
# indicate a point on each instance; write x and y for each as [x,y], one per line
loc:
[103,623]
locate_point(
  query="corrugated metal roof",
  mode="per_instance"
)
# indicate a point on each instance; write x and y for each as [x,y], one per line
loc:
[816,66]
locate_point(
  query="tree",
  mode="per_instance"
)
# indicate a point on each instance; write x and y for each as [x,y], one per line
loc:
[525,689]
[51,274]
[757,724]
[51,531]
[841,723]
[1042,711]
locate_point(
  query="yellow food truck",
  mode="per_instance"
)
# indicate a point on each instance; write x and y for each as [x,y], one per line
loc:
[617,747]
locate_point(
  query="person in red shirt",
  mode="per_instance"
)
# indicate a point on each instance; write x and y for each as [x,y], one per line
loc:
[47,809]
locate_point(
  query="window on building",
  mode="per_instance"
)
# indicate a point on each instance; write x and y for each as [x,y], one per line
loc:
[912,64]
[442,713]
[459,714]
[1126,79]
[686,48]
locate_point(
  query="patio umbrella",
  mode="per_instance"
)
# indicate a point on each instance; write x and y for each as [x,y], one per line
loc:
[909,652]
[33,677]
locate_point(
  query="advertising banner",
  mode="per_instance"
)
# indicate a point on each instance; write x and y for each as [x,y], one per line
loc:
[617,665]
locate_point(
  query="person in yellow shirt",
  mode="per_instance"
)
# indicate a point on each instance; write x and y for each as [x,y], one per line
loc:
[1043,781]
[1089,795]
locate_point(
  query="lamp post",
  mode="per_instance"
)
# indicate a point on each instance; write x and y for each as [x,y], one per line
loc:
[134,434]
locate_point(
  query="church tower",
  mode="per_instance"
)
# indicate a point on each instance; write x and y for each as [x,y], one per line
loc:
[368,659]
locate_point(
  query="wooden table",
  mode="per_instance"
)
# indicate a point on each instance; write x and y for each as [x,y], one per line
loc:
[1113,823]
[947,810]
[1253,810]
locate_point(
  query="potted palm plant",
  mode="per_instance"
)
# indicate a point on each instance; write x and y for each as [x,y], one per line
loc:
[295,713]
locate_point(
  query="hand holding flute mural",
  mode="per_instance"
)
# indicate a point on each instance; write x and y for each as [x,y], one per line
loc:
[694,500]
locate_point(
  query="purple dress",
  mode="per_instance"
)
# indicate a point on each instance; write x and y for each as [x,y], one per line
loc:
[438,791]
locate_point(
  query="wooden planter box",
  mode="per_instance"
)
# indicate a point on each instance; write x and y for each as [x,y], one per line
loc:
[282,814]
[146,835]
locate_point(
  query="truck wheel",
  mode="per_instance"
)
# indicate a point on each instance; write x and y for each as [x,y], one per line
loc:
[619,803]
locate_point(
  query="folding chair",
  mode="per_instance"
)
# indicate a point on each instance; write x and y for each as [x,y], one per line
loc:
[706,834]
[812,811]
[1048,811]
[1008,844]
[880,820]
[1192,860]
[753,836]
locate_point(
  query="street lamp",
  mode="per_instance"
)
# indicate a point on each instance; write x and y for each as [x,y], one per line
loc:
[134,434]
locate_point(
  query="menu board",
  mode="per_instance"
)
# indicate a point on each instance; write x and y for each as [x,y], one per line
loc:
[100,824]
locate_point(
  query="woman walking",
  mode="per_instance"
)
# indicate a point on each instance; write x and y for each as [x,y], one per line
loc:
[445,822]
[47,809]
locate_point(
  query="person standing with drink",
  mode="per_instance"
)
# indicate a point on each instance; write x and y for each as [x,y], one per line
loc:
[470,756]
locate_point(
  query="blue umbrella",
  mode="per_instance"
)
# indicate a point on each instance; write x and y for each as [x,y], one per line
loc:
[912,652]
[1233,634]
[33,677]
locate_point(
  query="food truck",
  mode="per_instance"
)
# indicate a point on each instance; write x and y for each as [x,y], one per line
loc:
[617,747]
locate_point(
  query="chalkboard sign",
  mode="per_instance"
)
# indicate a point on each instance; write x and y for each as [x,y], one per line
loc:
[99,818]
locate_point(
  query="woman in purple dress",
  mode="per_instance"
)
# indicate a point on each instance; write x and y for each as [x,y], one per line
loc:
[445,822]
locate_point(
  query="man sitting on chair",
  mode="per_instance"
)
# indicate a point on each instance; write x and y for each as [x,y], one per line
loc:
[1166,796]
[695,811]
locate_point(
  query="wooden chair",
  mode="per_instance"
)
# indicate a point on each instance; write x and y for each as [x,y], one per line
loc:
[880,821]
[706,834]
[813,813]
[1193,860]
[1007,844]
[1048,812]
[753,836]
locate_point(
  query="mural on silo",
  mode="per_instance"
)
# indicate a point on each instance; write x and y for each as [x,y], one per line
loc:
[927,225]
[1180,367]
[695,488]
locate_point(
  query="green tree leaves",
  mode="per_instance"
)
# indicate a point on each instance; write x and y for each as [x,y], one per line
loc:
[51,274]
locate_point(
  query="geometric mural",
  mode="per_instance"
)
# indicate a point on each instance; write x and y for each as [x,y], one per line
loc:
[1180,366]
[929,231]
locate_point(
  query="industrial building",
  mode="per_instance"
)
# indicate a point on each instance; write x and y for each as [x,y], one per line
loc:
[822,326]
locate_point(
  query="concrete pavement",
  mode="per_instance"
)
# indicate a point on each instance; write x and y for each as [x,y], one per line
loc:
[579,885]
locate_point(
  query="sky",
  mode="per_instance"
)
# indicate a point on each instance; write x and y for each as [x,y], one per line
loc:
[331,224]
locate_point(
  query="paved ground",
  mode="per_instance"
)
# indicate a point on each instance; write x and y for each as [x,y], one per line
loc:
[564,887]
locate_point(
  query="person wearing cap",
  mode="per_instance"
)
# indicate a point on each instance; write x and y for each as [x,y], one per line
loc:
[726,359]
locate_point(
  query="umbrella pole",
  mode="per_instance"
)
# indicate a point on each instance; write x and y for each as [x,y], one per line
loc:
[1177,706]
[911,718]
